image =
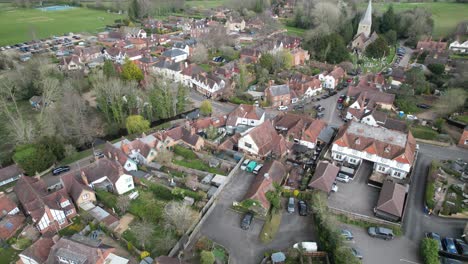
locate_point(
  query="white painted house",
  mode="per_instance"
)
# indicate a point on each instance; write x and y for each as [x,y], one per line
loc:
[456,46]
[208,84]
[392,152]
[248,115]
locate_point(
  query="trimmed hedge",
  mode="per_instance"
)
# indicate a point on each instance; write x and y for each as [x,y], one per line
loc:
[429,251]
[162,192]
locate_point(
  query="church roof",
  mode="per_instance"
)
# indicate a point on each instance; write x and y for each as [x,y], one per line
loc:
[367,18]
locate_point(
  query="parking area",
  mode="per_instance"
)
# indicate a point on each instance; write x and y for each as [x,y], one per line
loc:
[223,226]
[364,197]
[374,250]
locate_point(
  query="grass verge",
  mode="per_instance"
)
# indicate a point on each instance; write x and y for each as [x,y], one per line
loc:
[397,231]
[270,227]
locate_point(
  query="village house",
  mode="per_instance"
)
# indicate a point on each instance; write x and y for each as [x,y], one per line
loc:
[247,115]
[115,54]
[391,201]
[182,46]
[290,42]
[49,211]
[202,124]
[77,186]
[133,54]
[250,55]
[263,141]
[463,142]
[324,176]
[160,39]
[181,135]
[189,72]
[431,46]
[133,32]
[378,118]
[367,101]
[115,152]
[332,79]
[303,130]
[138,43]
[10,174]
[234,24]
[437,57]
[11,219]
[208,84]
[146,63]
[82,249]
[152,23]
[141,152]
[170,69]
[88,54]
[299,56]
[305,85]
[271,172]
[71,63]
[175,55]
[38,252]
[392,152]
[197,28]
[278,95]
[459,47]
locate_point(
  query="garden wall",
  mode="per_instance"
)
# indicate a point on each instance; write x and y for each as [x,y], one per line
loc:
[193,231]
[366,218]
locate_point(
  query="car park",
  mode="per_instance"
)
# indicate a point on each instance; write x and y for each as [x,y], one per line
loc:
[347,234]
[282,108]
[60,170]
[436,237]
[343,178]
[302,208]
[380,232]
[244,164]
[291,205]
[449,245]
[247,221]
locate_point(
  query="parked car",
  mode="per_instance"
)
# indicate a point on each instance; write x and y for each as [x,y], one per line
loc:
[332,92]
[356,253]
[297,107]
[247,221]
[436,237]
[244,164]
[340,106]
[302,208]
[449,245]
[347,234]
[98,154]
[380,232]
[343,178]
[282,108]
[306,246]
[291,205]
[321,109]
[60,169]
[257,168]
[462,247]
[325,96]
[423,106]
[320,115]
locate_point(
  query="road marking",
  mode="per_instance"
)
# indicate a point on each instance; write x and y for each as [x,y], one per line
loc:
[409,261]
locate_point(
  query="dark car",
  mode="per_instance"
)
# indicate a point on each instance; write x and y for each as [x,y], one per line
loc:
[436,237]
[316,107]
[356,253]
[348,235]
[302,208]
[339,106]
[331,93]
[246,221]
[462,247]
[320,115]
[60,169]
[296,107]
[320,109]
[380,232]
[449,245]
[325,96]
[423,106]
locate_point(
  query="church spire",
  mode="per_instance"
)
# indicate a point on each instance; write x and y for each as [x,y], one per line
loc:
[367,18]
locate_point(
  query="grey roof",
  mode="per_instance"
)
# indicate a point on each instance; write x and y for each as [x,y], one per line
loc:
[139,174]
[392,198]
[164,64]
[278,257]
[278,90]
[326,134]
[367,18]
[173,53]
[71,256]
[378,133]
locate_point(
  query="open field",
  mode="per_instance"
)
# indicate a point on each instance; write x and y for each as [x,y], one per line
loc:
[19,25]
[446,15]
[205,3]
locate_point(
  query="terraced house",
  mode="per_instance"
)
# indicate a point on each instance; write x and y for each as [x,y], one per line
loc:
[392,152]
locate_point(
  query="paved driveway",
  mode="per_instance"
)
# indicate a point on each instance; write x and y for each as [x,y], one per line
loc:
[364,197]
[223,226]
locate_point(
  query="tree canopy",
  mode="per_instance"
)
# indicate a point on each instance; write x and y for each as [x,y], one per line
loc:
[206,108]
[130,71]
[378,49]
[136,124]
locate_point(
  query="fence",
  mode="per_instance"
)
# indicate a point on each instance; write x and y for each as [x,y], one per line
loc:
[193,231]
[355,216]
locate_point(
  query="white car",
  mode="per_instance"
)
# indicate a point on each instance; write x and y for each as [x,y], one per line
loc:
[411,117]
[244,164]
[282,108]
[257,169]
[343,178]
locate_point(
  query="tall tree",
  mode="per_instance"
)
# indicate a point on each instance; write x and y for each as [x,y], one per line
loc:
[378,49]
[136,124]
[130,71]
[179,215]
[181,98]
[144,231]
[206,108]
[389,20]
[200,54]
[109,69]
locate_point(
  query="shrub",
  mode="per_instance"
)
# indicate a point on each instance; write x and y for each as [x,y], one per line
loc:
[430,190]
[108,199]
[161,192]
[204,243]
[184,152]
[129,246]
[23,243]
[144,254]
[181,193]
[429,251]
[207,257]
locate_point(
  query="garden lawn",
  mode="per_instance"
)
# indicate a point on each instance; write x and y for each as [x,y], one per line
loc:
[270,227]
[8,255]
[205,4]
[446,15]
[423,132]
[462,118]
[19,25]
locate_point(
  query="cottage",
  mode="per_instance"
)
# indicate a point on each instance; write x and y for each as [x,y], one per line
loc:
[250,55]
[304,130]
[304,85]
[115,152]
[463,142]
[271,172]
[11,219]
[38,252]
[263,141]
[299,56]
[248,115]
[50,211]
[391,201]
[392,152]
[324,176]
[171,70]
[184,135]
[10,174]
[431,46]
[71,63]
[278,95]
[208,84]
[459,47]
[332,79]
[77,186]
[133,32]
[235,24]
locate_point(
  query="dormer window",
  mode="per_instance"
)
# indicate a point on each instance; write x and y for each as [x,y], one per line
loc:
[387,149]
[357,141]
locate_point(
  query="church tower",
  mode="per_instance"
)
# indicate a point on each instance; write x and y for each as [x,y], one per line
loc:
[366,22]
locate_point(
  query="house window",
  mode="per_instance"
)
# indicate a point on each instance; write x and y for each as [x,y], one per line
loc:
[61,221]
[381,168]
[338,156]
[129,180]
[65,204]
[85,196]
[69,212]
[130,186]
[352,161]
[397,174]
[248,145]
[466,141]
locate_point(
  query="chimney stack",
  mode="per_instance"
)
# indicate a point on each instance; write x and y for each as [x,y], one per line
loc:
[84,178]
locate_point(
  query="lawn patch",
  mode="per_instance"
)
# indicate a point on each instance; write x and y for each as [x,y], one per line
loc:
[461,118]
[74,228]
[424,132]
[271,226]
[362,223]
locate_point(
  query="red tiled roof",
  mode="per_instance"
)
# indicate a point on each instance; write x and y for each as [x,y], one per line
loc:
[10,172]
[10,225]
[266,139]
[324,176]
[244,111]
[312,132]
[6,205]
[39,250]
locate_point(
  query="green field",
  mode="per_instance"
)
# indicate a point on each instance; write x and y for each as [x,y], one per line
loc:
[205,3]
[19,25]
[446,15]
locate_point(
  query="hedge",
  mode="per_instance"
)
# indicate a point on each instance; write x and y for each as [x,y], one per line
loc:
[429,251]
[429,196]
[161,192]
[179,192]
[184,152]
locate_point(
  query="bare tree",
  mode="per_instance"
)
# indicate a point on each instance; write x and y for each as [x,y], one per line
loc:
[191,182]
[200,54]
[144,8]
[217,38]
[179,215]
[144,231]
[164,156]
[123,203]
